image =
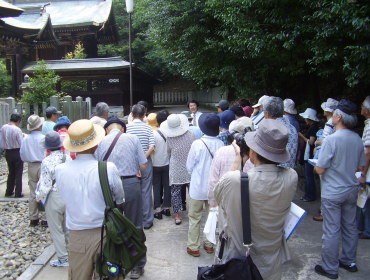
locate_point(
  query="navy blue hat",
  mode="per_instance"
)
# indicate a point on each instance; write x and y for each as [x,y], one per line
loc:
[114,119]
[226,117]
[238,111]
[62,121]
[223,105]
[209,124]
[347,106]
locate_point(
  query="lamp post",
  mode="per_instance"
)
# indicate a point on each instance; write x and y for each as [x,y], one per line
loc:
[130,9]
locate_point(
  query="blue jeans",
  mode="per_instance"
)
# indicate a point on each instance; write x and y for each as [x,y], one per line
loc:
[363,219]
[309,182]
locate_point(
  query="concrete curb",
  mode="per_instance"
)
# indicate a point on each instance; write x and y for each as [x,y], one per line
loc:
[38,264]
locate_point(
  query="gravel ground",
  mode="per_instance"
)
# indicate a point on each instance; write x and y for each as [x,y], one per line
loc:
[20,244]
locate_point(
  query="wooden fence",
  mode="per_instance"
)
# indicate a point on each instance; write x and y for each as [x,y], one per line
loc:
[78,109]
[205,97]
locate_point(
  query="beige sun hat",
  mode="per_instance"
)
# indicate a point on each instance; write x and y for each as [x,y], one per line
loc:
[34,122]
[175,125]
[269,140]
[241,124]
[83,135]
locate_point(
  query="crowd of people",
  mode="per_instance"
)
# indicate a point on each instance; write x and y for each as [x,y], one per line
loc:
[164,164]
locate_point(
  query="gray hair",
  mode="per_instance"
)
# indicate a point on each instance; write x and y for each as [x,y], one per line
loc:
[349,121]
[101,108]
[138,111]
[274,106]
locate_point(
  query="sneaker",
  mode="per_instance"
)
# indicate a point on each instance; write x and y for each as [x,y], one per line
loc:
[349,267]
[209,250]
[318,218]
[34,223]
[321,271]
[178,219]
[158,215]
[136,273]
[44,223]
[59,263]
[194,253]
[166,212]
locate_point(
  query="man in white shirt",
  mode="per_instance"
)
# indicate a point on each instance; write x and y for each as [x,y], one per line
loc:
[193,106]
[198,165]
[79,185]
[33,151]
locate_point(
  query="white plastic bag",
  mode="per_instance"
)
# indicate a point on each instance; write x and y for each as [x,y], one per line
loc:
[307,151]
[210,226]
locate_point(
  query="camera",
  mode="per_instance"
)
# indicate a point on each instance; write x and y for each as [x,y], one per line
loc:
[240,141]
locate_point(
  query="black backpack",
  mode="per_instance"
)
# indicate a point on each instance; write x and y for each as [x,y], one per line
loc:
[124,244]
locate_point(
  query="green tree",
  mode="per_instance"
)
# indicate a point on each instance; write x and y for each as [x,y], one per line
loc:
[42,85]
[5,80]
[68,86]
[287,48]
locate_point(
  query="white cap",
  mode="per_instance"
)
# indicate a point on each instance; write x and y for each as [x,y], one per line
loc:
[260,101]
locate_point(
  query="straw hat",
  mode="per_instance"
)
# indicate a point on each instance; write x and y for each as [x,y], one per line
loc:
[83,135]
[270,141]
[34,122]
[175,125]
[310,114]
[152,121]
[241,124]
[289,106]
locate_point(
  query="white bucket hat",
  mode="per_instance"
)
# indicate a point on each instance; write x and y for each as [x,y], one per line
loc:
[289,106]
[175,125]
[310,114]
[330,105]
[34,122]
[240,124]
[260,101]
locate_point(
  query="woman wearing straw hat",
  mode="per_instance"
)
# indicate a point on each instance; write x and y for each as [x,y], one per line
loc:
[309,138]
[179,140]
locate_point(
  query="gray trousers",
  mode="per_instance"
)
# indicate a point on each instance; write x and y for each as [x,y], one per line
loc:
[132,208]
[55,214]
[146,194]
[339,225]
[34,170]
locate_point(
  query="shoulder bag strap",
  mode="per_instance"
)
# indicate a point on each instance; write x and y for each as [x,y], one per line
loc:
[103,177]
[246,222]
[207,148]
[161,134]
[112,146]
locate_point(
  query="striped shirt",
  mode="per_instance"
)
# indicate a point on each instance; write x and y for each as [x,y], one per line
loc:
[143,131]
[366,134]
[11,137]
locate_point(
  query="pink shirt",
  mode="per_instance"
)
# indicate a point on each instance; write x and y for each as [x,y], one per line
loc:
[221,163]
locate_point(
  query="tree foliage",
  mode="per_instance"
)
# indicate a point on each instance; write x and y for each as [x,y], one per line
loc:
[5,79]
[42,85]
[68,86]
[286,47]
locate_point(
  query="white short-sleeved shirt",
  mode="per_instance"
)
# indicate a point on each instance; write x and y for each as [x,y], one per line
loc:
[79,186]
